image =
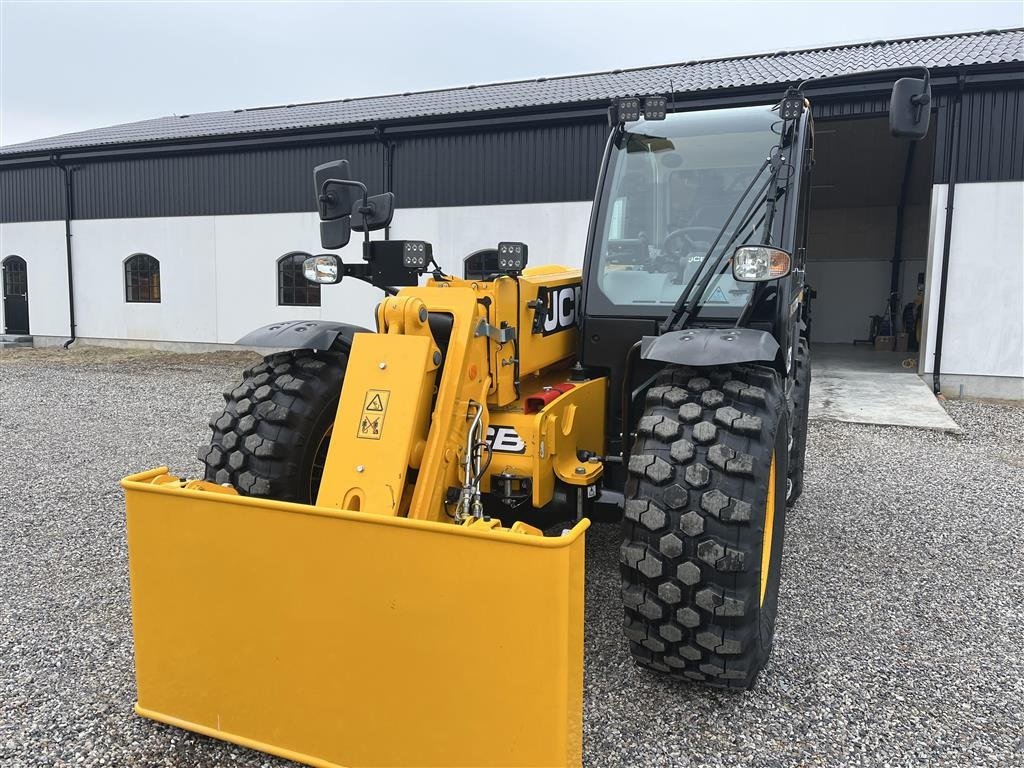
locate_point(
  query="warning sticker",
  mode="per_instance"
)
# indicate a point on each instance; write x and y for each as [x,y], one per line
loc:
[375,408]
[718,297]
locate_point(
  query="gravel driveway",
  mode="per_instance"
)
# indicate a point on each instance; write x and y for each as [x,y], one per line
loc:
[900,638]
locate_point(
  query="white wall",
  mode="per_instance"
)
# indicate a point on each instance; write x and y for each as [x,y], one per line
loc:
[247,249]
[183,245]
[849,265]
[42,245]
[218,274]
[984,320]
[555,232]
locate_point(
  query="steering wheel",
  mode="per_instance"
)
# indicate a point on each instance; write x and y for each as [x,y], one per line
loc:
[683,233]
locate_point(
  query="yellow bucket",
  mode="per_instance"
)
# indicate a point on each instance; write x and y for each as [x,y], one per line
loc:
[350,639]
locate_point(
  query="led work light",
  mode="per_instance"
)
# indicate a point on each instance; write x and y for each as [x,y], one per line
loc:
[512,257]
[416,254]
[628,109]
[792,105]
[655,107]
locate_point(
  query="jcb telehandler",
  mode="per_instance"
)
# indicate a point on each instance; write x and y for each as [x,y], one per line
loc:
[377,568]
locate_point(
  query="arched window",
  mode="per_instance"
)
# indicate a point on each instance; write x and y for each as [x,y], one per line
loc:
[142,279]
[294,290]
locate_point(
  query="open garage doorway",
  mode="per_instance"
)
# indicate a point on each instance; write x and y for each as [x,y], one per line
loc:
[868,244]
[867,250]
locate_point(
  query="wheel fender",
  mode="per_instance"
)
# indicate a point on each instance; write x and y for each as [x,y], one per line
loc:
[710,346]
[302,334]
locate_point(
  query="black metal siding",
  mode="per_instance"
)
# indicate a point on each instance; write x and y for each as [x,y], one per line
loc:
[991,131]
[844,109]
[991,146]
[31,194]
[266,181]
[525,164]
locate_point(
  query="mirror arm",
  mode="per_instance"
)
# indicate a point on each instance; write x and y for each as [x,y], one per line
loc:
[360,272]
[327,197]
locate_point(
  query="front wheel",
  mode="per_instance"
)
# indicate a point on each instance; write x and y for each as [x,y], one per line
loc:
[271,439]
[703,524]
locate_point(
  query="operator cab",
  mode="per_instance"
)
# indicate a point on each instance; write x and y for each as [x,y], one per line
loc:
[670,187]
[678,195]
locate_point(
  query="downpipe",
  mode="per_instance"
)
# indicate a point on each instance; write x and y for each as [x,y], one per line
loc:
[388,170]
[897,251]
[69,213]
[954,157]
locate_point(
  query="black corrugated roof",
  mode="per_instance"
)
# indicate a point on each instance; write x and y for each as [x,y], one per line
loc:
[936,52]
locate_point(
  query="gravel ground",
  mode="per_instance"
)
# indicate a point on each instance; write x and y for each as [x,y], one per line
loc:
[900,639]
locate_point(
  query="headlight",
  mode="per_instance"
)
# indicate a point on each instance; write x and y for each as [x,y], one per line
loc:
[757,263]
[322,269]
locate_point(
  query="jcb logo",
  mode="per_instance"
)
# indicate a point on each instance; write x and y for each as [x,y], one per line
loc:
[505,440]
[561,309]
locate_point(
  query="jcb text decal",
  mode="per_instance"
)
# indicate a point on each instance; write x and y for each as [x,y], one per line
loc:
[560,309]
[505,440]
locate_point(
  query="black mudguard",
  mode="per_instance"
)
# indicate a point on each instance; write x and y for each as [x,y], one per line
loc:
[710,346]
[302,334]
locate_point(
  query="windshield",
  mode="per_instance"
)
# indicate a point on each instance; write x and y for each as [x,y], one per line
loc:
[670,186]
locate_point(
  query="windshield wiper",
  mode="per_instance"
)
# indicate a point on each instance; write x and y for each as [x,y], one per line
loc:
[691,295]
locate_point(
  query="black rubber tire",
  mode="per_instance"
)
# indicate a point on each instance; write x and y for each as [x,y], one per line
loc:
[271,438]
[801,402]
[693,524]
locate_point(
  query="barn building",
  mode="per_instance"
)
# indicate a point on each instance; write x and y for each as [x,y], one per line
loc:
[189,230]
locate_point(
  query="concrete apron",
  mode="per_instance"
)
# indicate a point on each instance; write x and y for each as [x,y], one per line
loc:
[876,397]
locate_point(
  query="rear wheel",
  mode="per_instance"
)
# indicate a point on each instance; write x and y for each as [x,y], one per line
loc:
[801,400]
[271,439]
[703,524]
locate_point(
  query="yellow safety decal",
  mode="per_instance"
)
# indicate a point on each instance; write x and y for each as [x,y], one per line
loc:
[375,408]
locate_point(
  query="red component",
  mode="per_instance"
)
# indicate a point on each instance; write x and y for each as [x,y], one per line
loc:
[536,403]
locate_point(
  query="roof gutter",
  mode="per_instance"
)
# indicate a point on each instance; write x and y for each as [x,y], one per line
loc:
[69,213]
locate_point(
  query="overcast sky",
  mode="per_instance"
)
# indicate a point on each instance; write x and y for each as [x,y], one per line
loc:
[71,66]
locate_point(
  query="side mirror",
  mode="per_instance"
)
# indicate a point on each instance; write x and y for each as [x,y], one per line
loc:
[335,199]
[381,209]
[909,111]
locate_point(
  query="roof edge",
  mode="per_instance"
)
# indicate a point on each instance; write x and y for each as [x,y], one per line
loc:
[11,154]
[640,68]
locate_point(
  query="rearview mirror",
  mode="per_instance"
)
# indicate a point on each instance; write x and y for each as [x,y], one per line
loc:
[381,211]
[334,200]
[909,110]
